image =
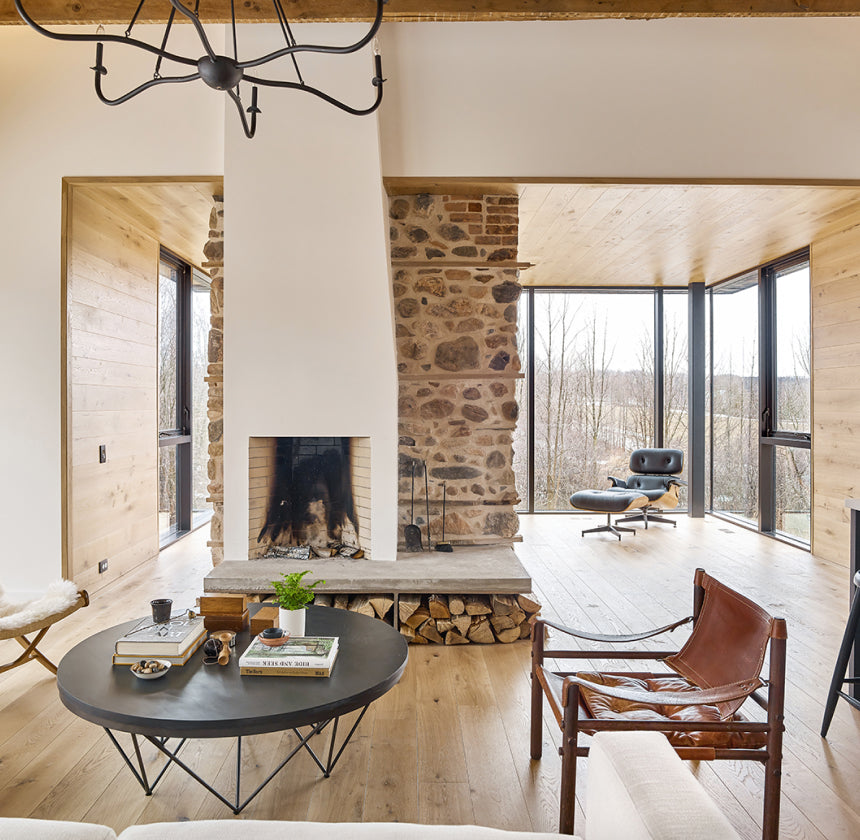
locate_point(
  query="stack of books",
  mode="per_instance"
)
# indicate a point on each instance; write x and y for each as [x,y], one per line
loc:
[173,641]
[299,656]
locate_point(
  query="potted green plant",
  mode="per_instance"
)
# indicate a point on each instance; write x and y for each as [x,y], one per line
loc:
[293,598]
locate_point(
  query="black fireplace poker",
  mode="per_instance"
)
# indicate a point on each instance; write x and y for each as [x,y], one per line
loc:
[443,545]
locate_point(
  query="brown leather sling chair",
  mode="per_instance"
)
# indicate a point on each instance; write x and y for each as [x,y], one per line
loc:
[697,707]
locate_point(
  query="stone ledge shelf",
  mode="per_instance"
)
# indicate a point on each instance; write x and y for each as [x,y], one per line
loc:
[469,570]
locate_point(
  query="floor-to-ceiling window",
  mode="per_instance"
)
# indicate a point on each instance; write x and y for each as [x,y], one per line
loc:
[789,402]
[183,328]
[759,389]
[734,390]
[605,373]
[171,427]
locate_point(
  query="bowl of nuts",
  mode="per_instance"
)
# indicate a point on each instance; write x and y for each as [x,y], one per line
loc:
[150,669]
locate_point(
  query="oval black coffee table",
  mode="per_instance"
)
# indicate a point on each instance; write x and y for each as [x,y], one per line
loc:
[214,701]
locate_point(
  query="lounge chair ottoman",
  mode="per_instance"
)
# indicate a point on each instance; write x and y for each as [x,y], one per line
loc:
[608,502]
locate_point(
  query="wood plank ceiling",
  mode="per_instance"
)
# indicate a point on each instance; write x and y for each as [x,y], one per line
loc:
[669,234]
[218,11]
[174,212]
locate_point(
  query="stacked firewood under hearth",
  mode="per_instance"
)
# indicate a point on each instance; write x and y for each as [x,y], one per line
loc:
[446,619]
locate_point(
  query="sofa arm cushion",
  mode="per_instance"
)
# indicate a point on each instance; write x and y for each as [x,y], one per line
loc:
[12,828]
[639,789]
[274,830]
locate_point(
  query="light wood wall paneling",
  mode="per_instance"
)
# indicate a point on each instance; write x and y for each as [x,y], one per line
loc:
[835,392]
[111,350]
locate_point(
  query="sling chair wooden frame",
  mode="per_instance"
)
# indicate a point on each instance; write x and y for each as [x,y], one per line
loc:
[724,675]
[40,627]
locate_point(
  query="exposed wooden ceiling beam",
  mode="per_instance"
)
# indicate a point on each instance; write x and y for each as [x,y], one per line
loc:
[53,12]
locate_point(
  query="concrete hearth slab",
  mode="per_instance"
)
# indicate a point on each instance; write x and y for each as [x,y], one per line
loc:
[469,570]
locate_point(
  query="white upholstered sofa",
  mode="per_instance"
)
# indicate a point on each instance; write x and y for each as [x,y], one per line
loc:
[638,789]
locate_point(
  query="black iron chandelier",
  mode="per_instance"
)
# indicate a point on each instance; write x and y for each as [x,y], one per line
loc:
[221,72]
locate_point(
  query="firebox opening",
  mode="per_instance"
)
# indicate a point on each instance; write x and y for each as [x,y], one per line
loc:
[309,497]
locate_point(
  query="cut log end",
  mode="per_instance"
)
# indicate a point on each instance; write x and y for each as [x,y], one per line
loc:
[452,637]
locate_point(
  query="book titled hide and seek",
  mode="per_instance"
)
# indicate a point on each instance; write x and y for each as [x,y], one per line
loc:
[299,656]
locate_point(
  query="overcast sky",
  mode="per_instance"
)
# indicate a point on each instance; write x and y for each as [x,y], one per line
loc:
[627,316]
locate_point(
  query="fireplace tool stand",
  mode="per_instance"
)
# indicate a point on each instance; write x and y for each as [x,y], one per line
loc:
[412,533]
[442,545]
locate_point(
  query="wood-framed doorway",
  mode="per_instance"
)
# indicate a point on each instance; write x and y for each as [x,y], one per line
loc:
[113,230]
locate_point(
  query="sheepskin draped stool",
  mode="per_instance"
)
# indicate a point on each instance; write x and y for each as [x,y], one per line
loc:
[17,619]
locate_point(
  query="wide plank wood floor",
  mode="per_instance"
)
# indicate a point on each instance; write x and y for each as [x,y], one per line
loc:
[450,743]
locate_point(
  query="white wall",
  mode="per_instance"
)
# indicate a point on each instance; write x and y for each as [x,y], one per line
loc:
[721,98]
[308,325]
[51,126]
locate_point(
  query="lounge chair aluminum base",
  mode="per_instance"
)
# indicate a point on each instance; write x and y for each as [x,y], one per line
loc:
[615,529]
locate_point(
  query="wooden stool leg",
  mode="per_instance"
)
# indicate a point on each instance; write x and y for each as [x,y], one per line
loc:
[841,663]
[32,652]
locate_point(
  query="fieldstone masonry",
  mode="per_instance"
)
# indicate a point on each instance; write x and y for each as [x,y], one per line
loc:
[455,290]
[213,251]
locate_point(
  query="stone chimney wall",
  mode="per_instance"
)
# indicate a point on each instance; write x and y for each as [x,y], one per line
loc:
[213,251]
[455,289]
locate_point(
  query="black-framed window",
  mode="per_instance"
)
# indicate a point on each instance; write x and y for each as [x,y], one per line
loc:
[183,329]
[605,372]
[760,398]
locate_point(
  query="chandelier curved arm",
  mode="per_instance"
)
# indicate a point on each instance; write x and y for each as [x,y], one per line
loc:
[195,22]
[103,37]
[162,80]
[377,82]
[253,111]
[318,48]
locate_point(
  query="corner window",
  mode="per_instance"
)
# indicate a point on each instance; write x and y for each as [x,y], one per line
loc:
[183,331]
[760,398]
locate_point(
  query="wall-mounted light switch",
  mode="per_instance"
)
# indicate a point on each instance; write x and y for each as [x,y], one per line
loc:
[102,454]
[102,566]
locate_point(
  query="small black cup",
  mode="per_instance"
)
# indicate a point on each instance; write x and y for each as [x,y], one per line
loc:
[161,609]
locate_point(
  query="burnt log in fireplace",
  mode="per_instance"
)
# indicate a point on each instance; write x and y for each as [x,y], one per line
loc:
[311,501]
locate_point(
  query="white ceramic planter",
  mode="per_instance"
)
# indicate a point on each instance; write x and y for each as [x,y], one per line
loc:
[292,621]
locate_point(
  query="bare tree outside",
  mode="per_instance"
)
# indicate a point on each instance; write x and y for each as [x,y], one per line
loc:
[675,372]
[554,350]
[734,406]
[793,469]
